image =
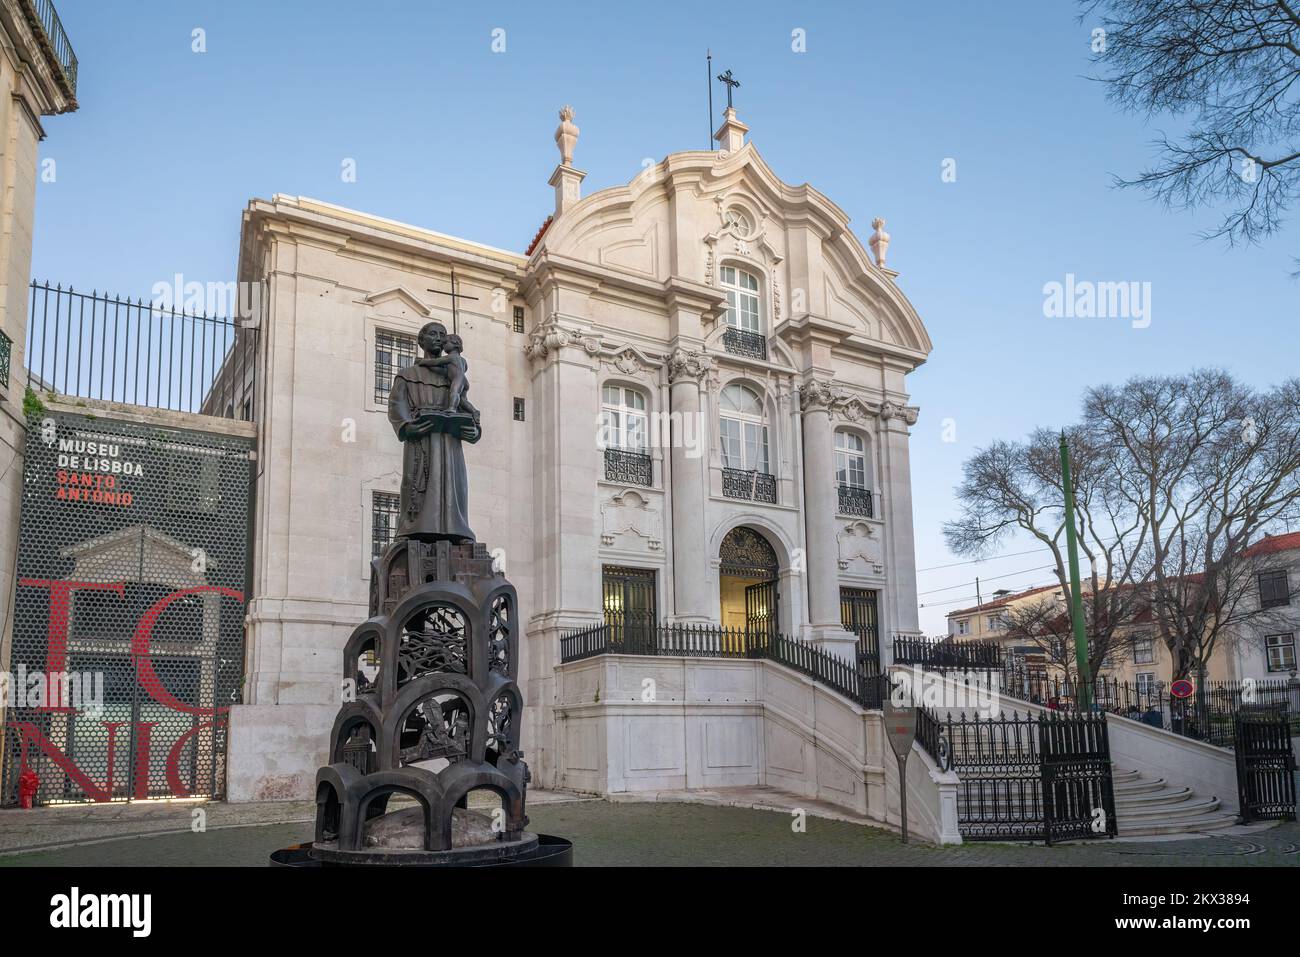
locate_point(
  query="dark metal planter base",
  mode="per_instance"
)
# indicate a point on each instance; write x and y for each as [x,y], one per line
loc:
[543,850]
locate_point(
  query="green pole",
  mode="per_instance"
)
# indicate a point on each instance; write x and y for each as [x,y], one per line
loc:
[1076,596]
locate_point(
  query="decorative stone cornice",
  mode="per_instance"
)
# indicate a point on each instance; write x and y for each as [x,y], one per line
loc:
[684,364]
[823,395]
[553,335]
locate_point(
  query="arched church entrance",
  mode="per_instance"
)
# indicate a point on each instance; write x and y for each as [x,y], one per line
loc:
[747,583]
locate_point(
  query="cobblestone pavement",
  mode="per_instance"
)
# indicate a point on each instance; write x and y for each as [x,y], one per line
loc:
[642,835]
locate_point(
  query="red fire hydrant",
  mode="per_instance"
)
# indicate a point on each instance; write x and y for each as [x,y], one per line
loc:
[28,785]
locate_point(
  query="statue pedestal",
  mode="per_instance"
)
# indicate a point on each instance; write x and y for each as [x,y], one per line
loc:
[431,714]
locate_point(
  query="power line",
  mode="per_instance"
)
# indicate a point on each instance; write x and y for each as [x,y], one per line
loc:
[958,601]
[993,558]
[991,578]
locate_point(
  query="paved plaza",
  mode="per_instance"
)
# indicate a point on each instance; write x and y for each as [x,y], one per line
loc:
[666,833]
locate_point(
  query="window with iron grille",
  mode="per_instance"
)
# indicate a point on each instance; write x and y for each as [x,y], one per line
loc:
[519,319]
[6,345]
[1281,652]
[384,509]
[393,353]
[1274,589]
[519,410]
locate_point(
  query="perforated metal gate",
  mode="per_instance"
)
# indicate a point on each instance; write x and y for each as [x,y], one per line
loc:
[128,642]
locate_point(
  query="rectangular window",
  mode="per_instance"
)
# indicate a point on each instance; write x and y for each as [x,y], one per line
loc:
[994,623]
[519,319]
[1281,652]
[384,509]
[1144,651]
[393,353]
[1146,682]
[1274,589]
[963,626]
[628,597]
[519,410]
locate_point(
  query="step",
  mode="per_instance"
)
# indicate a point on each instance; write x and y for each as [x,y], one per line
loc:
[1138,786]
[1201,824]
[1162,795]
[1169,812]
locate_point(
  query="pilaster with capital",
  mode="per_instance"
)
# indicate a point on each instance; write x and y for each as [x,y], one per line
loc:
[687,374]
[899,613]
[818,398]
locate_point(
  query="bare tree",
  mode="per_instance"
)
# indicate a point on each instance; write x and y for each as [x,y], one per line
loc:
[1207,464]
[1232,67]
[1017,486]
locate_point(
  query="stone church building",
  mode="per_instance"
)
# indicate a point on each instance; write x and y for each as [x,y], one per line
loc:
[695,412]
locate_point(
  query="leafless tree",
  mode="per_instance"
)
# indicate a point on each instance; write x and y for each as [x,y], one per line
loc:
[1232,68]
[1207,465]
[1015,487]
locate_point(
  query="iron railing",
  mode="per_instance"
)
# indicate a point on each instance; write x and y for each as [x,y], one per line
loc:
[749,484]
[632,468]
[55,40]
[1025,777]
[6,346]
[95,346]
[1206,715]
[944,655]
[855,501]
[742,342]
[714,641]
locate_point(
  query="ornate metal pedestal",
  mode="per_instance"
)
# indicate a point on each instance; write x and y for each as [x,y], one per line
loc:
[434,716]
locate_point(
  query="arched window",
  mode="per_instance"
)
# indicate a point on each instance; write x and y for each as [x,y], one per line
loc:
[743,428]
[742,299]
[850,460]
[623,416]
[852,475]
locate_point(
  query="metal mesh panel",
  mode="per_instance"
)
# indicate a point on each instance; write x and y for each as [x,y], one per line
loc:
[128,639]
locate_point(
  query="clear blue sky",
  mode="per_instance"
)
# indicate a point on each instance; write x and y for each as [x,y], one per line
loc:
[169,145]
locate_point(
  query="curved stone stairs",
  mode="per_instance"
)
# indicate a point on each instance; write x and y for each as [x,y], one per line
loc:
[1150,806]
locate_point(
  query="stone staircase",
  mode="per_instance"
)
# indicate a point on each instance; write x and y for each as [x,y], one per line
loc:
[1150,806]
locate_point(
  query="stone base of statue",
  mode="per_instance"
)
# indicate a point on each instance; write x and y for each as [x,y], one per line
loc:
[425,764]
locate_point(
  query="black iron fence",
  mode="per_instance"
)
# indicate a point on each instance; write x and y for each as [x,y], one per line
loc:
[1266,785]
[749,484]
[714,641]
[943,655]
[95,346]
[1023,778]
[1207,714]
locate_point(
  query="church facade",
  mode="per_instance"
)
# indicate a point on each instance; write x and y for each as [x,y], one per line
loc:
[694,407]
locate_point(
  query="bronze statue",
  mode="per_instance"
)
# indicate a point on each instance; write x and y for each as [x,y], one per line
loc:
[429,413]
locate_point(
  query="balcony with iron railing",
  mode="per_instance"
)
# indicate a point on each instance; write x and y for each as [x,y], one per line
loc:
[54,41]
[855,500]
[749,484]
[629,467]
[742,342]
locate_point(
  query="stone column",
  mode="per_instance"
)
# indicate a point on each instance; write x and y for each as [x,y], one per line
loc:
[820,507]
[689,459]
[898,614]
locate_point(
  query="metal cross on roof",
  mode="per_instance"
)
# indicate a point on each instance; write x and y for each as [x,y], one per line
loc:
[731,82]
[454,296]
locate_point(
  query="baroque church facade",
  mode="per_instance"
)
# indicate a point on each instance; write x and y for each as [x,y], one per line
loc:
[695,412]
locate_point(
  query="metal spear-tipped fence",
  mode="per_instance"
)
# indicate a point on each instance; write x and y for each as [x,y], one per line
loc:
[95,346]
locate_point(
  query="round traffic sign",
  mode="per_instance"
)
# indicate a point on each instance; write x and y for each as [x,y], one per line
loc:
[1182,688]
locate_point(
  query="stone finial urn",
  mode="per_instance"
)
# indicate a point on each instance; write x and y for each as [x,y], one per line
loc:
[879,241]
[566,136]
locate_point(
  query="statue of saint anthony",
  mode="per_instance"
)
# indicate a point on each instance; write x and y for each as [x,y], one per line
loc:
[435,487]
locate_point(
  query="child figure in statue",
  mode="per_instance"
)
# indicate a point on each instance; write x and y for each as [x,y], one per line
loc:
[454,364]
